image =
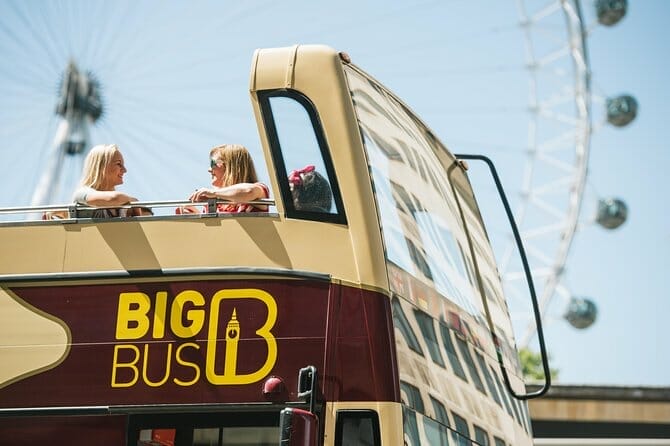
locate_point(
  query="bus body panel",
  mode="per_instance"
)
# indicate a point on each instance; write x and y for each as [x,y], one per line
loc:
[192,341]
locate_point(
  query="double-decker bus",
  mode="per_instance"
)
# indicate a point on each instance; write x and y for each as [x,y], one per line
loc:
[380,320]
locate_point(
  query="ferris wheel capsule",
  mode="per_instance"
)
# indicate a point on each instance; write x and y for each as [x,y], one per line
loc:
[581,312]
[610,12]
[621,110]
[612,213]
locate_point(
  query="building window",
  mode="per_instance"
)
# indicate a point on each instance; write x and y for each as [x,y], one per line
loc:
[440,412]
[461,435]
[428,331]
[503,392]
[474,374]
[454,360]
[488,378]
[414,399]
[401,322]
[481,437]
[436,433]
[498,441]
[410,427]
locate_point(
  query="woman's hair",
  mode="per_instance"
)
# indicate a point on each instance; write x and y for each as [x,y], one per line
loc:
[310,190]
[95,164]
[238,162]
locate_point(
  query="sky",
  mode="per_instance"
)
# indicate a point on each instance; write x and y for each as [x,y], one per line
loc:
[175,83]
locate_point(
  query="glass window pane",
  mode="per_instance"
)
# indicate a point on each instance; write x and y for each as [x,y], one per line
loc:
[435,432]
[151,437]
[414,399]
[503,392]
[487,377]
[440,412]
[400,321]
[454,360]
[498,441]
[410,427]
[428,331]
[481,436]
[357,428]
[256,435]
[461,435]
[421,227]
[474,374]
[206,437]
[309,185]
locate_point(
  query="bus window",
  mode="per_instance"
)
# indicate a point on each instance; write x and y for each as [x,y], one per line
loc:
[421,229]
[461,435]
[401,322]
[203,429]
[210,436]
[481,437]
[428,331]
[304,168]
[472,368]
[357,428]
[158,437]
[451,351]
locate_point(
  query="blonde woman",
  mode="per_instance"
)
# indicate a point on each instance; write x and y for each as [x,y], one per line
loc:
[233,179]
[103,171]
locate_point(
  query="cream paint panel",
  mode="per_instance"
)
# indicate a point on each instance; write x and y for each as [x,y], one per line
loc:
[30,341]
[341,131]
[228,241]
[390,420]
[330,95]
[32,248]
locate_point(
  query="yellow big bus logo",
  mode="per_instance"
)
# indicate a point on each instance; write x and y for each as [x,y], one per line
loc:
[130,362]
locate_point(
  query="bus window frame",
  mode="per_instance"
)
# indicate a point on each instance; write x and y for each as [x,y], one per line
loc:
[372,415]
[185,424]
[268,118]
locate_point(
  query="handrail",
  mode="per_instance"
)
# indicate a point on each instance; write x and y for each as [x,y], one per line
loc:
[531,287]
[74,207]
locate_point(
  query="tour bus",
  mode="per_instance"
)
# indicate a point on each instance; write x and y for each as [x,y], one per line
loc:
[380,320]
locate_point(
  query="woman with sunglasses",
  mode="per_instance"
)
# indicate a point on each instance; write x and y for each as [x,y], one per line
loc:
[103,171]
[234,179]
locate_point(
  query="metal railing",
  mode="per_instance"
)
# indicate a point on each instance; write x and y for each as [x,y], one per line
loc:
[73,211]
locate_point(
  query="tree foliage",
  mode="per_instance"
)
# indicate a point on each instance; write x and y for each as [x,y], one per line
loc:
[531,365]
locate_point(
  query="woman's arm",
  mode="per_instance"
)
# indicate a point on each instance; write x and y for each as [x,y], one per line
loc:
[240,193]
[104,198]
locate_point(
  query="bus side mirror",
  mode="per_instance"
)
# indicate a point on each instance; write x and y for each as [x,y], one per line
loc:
[297,427]
[529,282]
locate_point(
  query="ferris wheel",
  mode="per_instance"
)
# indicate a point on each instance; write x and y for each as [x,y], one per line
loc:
[556,159]
[167,85]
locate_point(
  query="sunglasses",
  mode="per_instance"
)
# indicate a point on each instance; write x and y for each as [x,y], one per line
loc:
[215,163]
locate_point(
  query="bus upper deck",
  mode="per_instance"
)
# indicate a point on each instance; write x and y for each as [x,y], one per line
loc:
[181,329]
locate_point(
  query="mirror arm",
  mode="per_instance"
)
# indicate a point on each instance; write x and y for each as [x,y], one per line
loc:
[529,280]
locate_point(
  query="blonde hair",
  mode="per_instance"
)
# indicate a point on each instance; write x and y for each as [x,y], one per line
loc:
[238,164]
[95,164]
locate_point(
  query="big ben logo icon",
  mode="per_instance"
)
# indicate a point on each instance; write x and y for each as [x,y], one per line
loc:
[263,333]
[232,338]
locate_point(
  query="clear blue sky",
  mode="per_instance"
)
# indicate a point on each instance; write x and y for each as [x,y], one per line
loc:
[175,79]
